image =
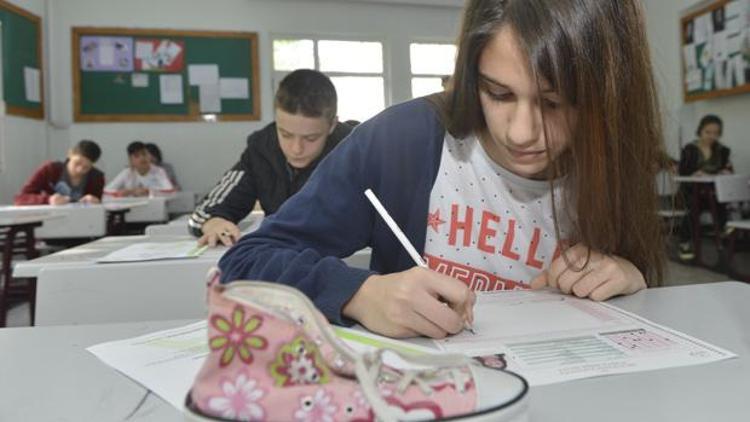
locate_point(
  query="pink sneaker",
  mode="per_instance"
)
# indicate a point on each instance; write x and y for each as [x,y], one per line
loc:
[275,357]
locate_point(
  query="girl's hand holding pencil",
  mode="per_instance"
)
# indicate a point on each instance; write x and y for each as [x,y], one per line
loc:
[411,302]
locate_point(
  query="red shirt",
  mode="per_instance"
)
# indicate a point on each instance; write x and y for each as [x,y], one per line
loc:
[41,185]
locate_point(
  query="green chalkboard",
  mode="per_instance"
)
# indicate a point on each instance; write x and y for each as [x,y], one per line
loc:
[22,50]
[123,88]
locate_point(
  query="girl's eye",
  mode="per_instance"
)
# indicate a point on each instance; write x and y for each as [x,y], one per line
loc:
[500,96]
[550,104]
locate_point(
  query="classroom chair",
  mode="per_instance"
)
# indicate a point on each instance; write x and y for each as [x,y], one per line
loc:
[17,241]
[669,208]
[733,189]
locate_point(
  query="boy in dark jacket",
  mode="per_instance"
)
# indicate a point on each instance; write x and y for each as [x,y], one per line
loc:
[278,159]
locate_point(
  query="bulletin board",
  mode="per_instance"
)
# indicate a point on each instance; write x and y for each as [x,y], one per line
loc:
[129,75]
[22,62]
[716,50]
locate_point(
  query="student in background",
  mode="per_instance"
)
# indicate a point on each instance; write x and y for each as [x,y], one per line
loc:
[154,155]
[278,159]
[61,182]
[518,176]
[141,177]
[704,156]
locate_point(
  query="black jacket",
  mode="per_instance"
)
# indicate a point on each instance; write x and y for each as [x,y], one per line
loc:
[262,174]
[691,159]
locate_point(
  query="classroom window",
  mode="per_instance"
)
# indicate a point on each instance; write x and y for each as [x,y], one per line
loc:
[430,64]
[355,68]
[293,54]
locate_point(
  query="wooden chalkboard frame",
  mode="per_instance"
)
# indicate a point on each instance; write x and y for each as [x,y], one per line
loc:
[31,112]
[710,6]
[193,114]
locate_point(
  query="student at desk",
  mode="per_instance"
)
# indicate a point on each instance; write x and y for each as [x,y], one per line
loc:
[278,159]
[704,156]
[518,176]
[141,178]
[154,155]
[61,182]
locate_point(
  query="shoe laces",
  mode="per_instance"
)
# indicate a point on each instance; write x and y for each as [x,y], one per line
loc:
[371,369]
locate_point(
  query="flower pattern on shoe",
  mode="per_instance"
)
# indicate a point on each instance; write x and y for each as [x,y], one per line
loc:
[239,400]
[299,363]
[317,408]
[237,336]
[359,405]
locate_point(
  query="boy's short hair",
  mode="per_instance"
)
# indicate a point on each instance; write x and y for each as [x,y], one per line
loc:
[307,92]
[88,149]
[135,147]
[154,150]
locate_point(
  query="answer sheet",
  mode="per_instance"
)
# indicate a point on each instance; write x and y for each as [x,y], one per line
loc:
[153,251]
[548,337]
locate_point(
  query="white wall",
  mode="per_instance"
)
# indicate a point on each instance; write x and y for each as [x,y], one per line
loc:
[25,139]
[200,152]
[680,118]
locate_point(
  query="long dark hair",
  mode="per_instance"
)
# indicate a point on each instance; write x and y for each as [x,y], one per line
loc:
[595,54]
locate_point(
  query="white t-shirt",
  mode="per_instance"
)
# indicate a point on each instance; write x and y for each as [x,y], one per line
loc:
[486,226]
[155,179]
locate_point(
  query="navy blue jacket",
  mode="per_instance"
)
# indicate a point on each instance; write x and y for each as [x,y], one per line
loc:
[397,155]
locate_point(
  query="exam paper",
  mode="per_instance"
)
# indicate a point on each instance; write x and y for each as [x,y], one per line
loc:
[166,362]
[155,251]
[548,337]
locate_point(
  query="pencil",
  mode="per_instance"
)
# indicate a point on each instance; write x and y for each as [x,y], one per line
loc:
[402,237]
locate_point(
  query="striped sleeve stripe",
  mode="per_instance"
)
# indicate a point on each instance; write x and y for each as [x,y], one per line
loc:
[229,188]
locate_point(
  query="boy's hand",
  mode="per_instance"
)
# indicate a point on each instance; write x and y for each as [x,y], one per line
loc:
[57,199]
[218,231]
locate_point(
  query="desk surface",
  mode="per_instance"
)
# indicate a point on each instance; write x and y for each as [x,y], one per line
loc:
[47,374]
[88,253]
[25,219]
[696,179]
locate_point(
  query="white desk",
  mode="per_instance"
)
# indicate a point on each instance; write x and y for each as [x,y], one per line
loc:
[144,210]
[81,255]
[179,226]
[696,179]
[181,202]
[47,374]
[71,220]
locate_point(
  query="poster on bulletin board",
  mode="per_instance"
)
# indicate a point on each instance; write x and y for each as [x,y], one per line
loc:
[716,49]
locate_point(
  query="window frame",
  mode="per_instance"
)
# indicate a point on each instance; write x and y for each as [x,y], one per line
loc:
[412,75]
[278,75]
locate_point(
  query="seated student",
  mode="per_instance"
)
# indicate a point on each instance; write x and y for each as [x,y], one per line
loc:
[141,177]
[704,156]
[74,180]
[278,159]
[154,155]
[518,176]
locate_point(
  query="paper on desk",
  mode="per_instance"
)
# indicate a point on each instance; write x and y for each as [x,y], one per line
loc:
[166,362]
[150,251]
[548,337]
